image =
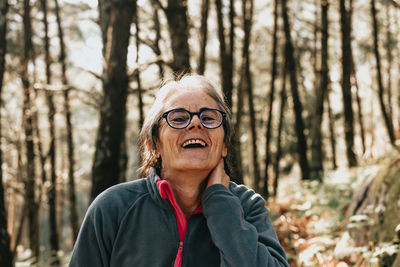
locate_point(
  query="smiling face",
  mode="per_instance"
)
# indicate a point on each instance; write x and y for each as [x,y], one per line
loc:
[194,148]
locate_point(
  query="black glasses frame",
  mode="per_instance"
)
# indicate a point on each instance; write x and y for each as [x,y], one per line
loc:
[191,114]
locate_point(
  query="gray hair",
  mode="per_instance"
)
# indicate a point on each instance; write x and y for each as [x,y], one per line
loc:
[149,131]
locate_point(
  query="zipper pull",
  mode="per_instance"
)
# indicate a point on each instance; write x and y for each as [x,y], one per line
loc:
[178,259]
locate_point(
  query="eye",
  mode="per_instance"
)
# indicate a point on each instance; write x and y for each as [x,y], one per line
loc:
[210,115]
[178,117]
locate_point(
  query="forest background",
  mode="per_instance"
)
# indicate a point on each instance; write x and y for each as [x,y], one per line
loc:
[314,87]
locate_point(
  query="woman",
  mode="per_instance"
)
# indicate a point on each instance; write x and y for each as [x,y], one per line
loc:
[186,212]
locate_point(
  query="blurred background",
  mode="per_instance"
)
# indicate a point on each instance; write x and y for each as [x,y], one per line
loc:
[314,87]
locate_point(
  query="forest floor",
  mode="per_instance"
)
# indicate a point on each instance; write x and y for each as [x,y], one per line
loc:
[310,219]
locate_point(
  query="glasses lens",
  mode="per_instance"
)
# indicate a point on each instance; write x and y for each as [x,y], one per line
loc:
[178,118]
[211,118]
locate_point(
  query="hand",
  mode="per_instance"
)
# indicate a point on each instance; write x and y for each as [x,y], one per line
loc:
[218,175]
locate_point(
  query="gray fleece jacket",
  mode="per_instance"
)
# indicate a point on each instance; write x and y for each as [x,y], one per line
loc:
[134,224]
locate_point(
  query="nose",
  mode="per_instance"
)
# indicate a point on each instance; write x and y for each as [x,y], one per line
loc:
[195,122]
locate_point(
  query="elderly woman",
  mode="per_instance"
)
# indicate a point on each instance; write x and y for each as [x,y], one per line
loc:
[186,212]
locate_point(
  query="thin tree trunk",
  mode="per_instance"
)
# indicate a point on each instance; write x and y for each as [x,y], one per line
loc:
[321,91]
[5,252]
[291,63]
[30,156]
[156,47]
[176,13]
[381,90]
[332,135]
[271,100]
[203,32]
[346,84]
[111,132]
[226,58]
[389,48]
[282,108]
[359,107]
[247,22]
[52,192]
[74,218]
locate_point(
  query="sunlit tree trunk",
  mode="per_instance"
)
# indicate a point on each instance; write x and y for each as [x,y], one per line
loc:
[321,91]
[5,252]
[270,100]
[111,132]
[346,84]
[282,108]
[298,108]
[389,56]
[381,90]
[74,219]
[203,36]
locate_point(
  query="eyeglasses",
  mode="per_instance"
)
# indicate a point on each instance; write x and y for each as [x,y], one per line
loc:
[180,118]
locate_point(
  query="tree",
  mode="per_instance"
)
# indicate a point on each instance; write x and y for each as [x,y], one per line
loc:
[203,40]
[6,258]
[320,92]
[271,99]
[385,113]
[346,84]
[70,139]
[291,65]
[29,180]
[176,13]
[111,132]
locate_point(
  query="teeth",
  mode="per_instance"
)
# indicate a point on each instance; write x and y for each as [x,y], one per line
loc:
[194,141]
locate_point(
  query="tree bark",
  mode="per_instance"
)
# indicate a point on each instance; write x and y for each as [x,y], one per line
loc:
[176,13]
[33,230]
[203,33]
[332,135]
[111,132]
[282,108]
[321,91]
[156,46]
[248,85]
[291,63]
[271,101]
[346,84]
[381,90]
[74,218]
[225,54]
[52,192]
[5,252]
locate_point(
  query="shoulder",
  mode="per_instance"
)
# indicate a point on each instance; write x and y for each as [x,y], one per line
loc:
[117,199]
[249,199]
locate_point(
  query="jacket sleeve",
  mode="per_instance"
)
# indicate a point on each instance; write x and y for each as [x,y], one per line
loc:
[240,228]
[94,243]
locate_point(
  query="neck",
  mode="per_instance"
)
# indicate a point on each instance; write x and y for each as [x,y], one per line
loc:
[187,188]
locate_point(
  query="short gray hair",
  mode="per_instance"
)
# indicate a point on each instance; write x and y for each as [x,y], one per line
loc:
[149,131]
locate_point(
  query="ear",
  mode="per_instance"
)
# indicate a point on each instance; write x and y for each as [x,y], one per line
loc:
[153,149]
[224,151]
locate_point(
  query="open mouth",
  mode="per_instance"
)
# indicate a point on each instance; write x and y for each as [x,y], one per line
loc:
[194,143]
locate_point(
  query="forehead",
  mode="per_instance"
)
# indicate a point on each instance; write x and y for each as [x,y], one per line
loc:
[190,98]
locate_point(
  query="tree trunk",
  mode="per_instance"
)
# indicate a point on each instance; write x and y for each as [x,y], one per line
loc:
[346,84]
[291,63]
[30,156]
[156,47]
[381,90]
[282,108]
[176,13]
[111,132]
[359,107]
[248,85]
[321,91]
[389,47]
[5,252]
[74,218]
[52,192]
[203,33]
[271,100]
[332,135]
[225,54]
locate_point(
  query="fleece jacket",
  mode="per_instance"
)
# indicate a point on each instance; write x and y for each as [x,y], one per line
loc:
[139,223]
